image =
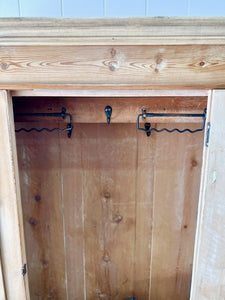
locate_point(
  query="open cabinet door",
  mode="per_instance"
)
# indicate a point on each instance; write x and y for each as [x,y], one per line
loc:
[208,281]
[2,287]
[13,255]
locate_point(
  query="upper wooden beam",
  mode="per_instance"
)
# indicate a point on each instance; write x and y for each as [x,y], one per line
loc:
[165,66]
[109,93]
[119,31]
[131,53]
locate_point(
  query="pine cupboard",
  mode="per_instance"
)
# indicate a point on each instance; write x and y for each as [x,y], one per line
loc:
[110,212]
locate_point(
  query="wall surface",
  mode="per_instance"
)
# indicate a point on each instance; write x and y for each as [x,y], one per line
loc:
[110,8]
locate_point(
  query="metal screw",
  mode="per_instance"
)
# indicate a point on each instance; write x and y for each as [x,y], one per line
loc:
[143,113]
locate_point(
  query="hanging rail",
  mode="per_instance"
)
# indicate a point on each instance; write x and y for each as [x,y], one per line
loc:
[148,130]
[63,115]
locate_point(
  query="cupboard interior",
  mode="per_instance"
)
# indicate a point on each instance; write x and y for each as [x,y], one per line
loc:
[109,213]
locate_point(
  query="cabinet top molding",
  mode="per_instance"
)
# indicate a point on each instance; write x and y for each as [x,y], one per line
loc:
[119,31]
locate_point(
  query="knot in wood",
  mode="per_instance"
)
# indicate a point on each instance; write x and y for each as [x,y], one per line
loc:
[107,195]
[4,66]
[33,221]
[37,198]
[118,219]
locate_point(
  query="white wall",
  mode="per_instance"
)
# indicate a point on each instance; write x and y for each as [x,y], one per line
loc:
[110,8]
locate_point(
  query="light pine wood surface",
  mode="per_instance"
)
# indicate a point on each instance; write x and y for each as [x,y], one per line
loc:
[125,109]
[2,284]
[209,262]
[13,254]
[114,209]
[117,31]
[161,66]
[127,54]
[41,191]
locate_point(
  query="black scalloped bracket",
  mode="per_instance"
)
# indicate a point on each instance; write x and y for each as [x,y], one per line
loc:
[62,115]
[149,130]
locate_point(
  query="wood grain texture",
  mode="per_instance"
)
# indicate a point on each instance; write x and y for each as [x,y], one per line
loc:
[144,215]
[177,168]
[167,199]
[71,157]
[13,254]
[124,110]
[128,204]
[40,173]
[46,89]
[109,175]
[123,31]
[153,65]
[209,263]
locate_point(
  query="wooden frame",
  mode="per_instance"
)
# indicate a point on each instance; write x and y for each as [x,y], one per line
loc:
[140,53]
[13,255]
[208,267]
[134,57]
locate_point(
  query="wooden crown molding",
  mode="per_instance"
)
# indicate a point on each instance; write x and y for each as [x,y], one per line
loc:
[123,53]
[120,31]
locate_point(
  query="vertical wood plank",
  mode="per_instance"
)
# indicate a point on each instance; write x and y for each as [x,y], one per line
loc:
[177,167]
[128,226]
[144,215]
[109,176]
[73,212]
[209,261]
[40,173]
[11,226]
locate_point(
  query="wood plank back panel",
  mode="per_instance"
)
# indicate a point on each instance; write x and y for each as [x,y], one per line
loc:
[71,157]
[109,175]
[186,65]
[176,167]
[127,214]
[167,197]
[40,173]
[144,215]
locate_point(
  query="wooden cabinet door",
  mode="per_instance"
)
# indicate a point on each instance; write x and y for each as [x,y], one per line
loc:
[13,255]
[208,281]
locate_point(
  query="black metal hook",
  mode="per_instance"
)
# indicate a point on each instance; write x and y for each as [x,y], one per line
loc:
[147,127]
[108,112]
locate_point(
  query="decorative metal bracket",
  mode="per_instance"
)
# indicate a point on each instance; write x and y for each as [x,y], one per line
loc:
[63,115]
[148,130]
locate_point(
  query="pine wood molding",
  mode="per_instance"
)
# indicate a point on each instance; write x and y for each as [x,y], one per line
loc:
[130,53]
[119,31]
